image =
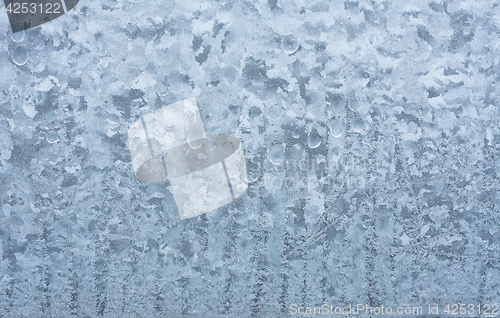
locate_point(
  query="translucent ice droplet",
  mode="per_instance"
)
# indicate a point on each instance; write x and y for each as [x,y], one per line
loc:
[314,139]
[358,125]
[228,147]
[50,116]
[296,133]
[20,56]
[336,127]
[195,144]
[252,176]
[253,167]
[193,138]
[229,73]
[52,136]
[274,112]
[353,101]
[14,91]
[276,154]
[18,36]
[289,44]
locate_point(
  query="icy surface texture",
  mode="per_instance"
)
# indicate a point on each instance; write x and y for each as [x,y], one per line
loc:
[370,130]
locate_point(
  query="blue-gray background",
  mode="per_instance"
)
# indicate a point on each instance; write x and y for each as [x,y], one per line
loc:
[80,235]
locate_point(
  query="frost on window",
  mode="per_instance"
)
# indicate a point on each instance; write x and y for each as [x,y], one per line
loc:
[249,159]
